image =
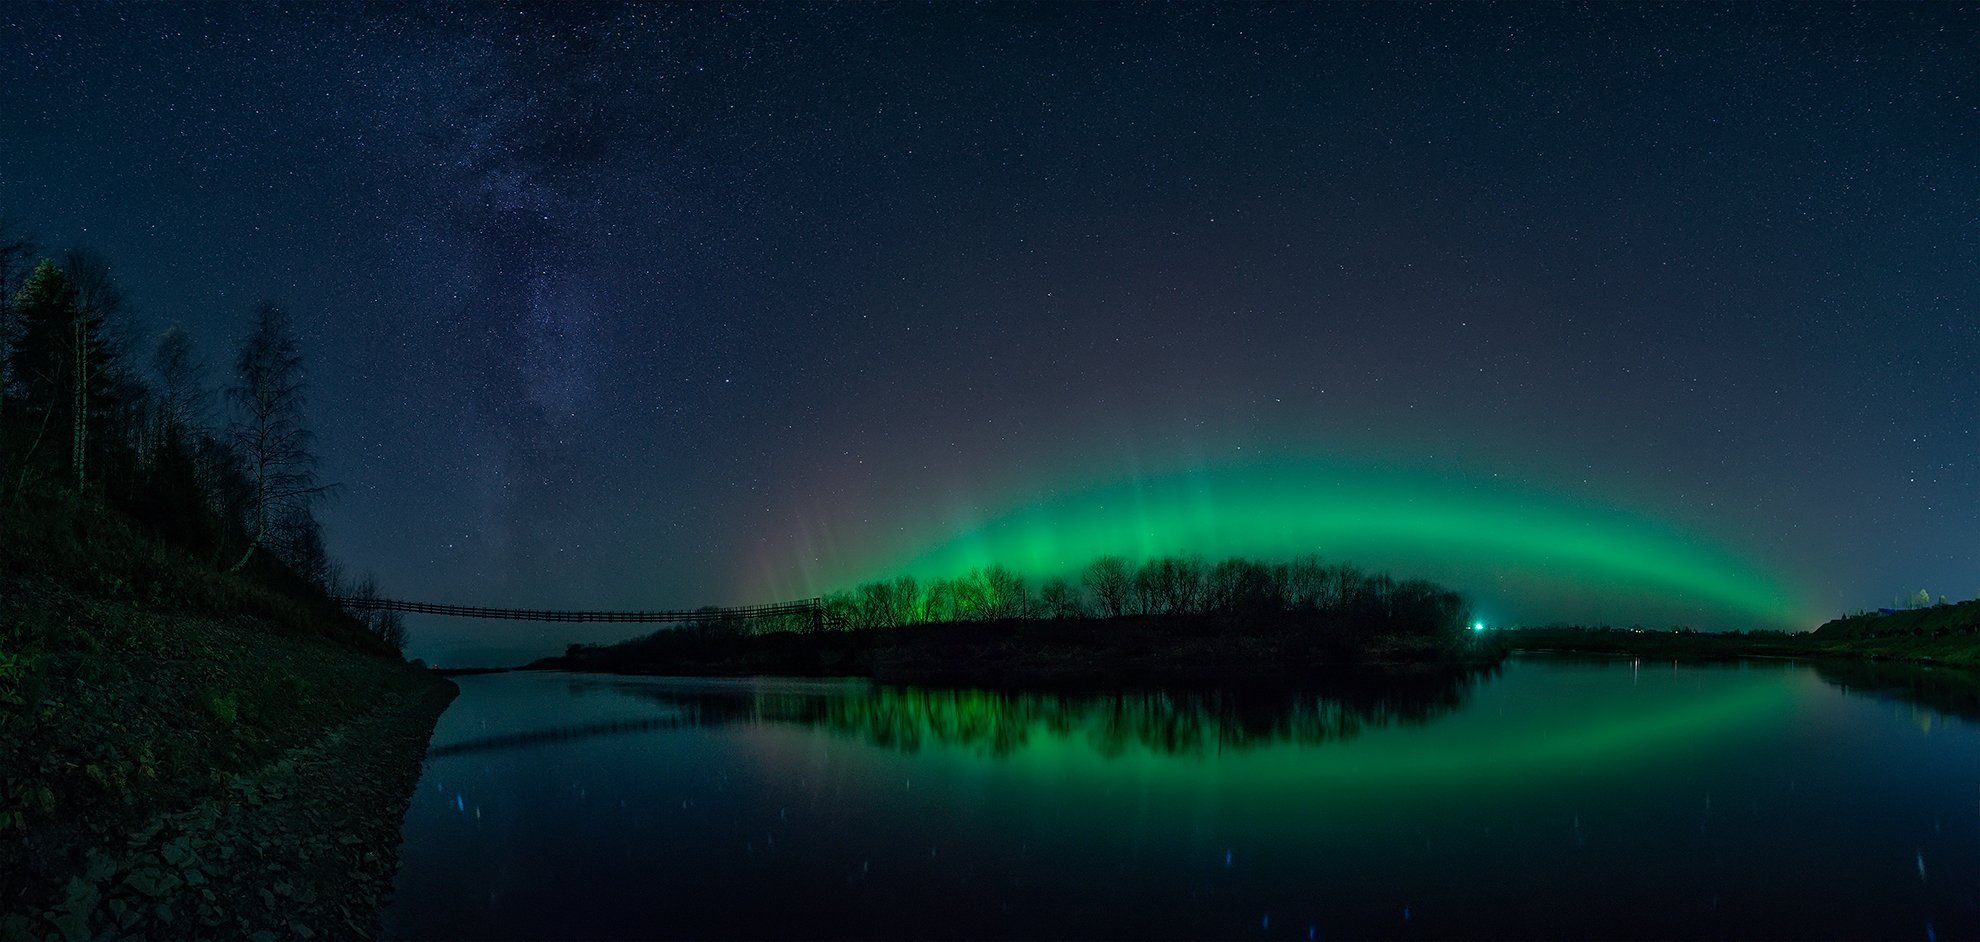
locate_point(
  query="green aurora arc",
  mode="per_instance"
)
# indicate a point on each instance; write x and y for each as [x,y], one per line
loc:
[1521,552]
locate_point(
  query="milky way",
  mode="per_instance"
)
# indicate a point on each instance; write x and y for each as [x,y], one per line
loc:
[661,306]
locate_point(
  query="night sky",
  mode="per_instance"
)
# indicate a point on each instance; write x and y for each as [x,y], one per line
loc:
[1663,314]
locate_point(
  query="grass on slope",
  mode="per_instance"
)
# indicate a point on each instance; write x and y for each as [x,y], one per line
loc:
[135,680]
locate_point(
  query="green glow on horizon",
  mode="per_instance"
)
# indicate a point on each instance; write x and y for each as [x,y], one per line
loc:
[1493,540]
[1515,744]
[1510,730]
[1607,730]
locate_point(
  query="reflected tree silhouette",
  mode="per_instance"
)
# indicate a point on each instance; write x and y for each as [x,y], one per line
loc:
[1164,721]
[1952,691]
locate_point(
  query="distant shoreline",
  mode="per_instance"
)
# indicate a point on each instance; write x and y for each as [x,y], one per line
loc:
[1946,635]
[1132,649]
[1158,649]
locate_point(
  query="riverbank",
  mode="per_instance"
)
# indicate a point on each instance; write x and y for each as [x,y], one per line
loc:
[1026,652]
[1947,635]
[188,753]
[1141,650]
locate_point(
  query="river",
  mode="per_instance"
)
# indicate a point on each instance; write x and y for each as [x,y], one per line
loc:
[1550,797]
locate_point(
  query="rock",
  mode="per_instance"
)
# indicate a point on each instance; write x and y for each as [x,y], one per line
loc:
[152,882]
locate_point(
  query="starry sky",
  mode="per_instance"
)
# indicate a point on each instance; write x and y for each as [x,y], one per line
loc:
[660,306]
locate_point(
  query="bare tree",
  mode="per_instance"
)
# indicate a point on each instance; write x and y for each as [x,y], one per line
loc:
[268,433]
[1005,594]
[183,398]
[386,626]
[940,604]
[1170,585]
[909,606]
[1061,600]
[296,539]
[1246,587]
[391,629]
[970,596]
[363,595]
[1306,583]
[1110,582]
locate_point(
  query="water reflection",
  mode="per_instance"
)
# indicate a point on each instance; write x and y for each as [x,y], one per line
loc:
[1947,690]
[1555,798]
[1169,722]
[555,734]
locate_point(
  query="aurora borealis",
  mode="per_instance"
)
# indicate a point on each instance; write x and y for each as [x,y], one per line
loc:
[1516,549]
[1660,315]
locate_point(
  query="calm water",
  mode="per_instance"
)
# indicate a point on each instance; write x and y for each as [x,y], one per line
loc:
[1552,798]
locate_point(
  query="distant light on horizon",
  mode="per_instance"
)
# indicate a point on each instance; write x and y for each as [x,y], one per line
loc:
[608,355]
[1532,547]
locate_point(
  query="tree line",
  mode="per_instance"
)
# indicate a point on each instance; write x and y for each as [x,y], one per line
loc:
[1305,588]
[90,406]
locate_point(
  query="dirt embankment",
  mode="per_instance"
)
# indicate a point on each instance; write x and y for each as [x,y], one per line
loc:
[174,774]
[302,848]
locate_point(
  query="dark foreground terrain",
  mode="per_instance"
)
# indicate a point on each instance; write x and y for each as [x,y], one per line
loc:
[186,753]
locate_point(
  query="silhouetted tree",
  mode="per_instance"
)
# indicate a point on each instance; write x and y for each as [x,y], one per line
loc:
[906,603]
[183,398]
[362,594]
[296,539]
[39,351]
[1306,583]
[15,251]
[139,440]
[972,596]
[940,604]
[1005,594]
[58,362]
[1061,600]
[1169,585]
[1111,583]
[392,630]
[91,377]
[269,435]
[389,627]
[1245,587]
[1343,583]
[172,494]
[1334,599]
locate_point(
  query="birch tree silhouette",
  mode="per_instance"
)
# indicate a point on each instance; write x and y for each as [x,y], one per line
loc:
[269,434]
